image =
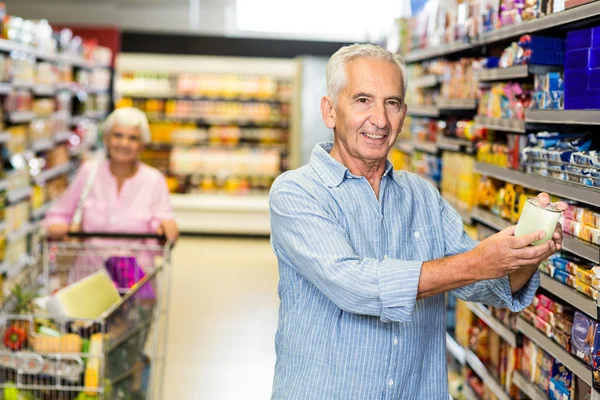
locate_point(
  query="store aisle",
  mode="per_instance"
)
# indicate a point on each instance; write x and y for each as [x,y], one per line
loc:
[223,317]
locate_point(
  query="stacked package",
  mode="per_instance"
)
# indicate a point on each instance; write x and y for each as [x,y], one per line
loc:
[583,223]
[550,375]
[573,272]
[582,70]
[551,317]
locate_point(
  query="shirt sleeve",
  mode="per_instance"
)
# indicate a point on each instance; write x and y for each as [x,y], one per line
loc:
[307,237]
[64,207]
[162,209]
[497,292]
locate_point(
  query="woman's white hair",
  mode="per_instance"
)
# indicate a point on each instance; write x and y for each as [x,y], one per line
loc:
[336,66]
[128,116]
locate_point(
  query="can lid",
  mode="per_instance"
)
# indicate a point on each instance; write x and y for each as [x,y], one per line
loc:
[549,207]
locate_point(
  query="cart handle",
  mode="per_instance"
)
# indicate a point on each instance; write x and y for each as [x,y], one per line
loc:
[162,238]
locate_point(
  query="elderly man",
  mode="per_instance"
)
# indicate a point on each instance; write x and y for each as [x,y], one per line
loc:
[366,253]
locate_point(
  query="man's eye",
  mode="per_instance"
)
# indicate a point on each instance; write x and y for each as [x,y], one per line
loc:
[363,100]
[393,103]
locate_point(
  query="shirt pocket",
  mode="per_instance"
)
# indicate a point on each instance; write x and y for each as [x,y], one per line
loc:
[422,244]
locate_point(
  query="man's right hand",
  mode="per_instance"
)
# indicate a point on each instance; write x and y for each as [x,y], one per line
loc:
[57,231]
[503,253]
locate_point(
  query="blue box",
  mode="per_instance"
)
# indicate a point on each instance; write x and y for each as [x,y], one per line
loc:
[582,59]
[583,39]
[594,79]
[576,80]
[546,57]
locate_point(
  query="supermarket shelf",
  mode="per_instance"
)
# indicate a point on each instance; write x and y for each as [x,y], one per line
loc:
[42,145]
[571,244]
[455,349]
[16,195]
[239,122]
[501,74]
[62,137]
[7,46]
[457,104]
[552,21]
[565,117]
[581,248]
[488,218]
[425,81]
[176,96]
[427,147]
[556,351]
[532,391]
[44,90]
[26,229]
[234,215]
[498,124]
[4,137]
[568,190]
[569,295]
[468,392]
[5,87]
[486,316]
[425,54]
[481,371]
[423,111]
[54,172]
[20,117]
[41,212]
[406,147]
[455,144]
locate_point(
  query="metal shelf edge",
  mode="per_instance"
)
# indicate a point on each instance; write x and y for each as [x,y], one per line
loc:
[509,336]
[485,376]
[489,219]
[569,295]
[554,349]
[455,349]
[527,387]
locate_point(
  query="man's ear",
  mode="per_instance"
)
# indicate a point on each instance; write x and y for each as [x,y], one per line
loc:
[328,112]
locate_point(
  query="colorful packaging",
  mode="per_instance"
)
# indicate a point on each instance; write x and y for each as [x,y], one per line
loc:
[543,326]
[546,315]
[564,322]
[565,277]
[588,277]
[582,337]
[547,268]
[562,338]
[552,305]
[556,391]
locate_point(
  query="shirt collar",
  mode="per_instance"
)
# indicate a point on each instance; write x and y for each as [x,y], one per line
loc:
[330,170]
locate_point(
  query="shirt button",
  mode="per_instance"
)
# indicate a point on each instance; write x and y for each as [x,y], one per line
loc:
[417,234]
[391,382]
[395,340]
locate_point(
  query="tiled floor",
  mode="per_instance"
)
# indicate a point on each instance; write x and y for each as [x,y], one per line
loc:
[223,317]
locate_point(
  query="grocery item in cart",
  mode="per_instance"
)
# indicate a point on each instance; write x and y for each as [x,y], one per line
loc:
[126,272]
[89,297]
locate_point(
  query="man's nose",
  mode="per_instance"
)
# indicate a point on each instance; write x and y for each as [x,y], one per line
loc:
[379,117]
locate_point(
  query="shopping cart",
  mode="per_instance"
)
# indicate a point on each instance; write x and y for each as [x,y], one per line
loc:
[117,355]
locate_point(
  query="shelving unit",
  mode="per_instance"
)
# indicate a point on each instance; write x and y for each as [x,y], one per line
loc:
[457,104]
[455,349]
[567,190]
[515,72]
[478,367]
[556,351]
[455,144]
[486,316]
[570,295]
[505,125]
[427,147]
[423,111]
[532,391]
[469,393]
[425,81]
[552,21]
[563,117]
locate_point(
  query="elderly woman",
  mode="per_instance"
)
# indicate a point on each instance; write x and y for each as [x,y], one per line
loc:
[126,195]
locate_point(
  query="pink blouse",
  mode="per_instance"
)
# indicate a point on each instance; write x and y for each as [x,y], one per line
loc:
[139,208]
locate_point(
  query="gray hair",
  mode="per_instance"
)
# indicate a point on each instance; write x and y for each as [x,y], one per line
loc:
[336,66]
[128,116]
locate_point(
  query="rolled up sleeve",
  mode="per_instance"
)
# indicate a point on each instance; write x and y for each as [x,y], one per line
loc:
[497,292]
[307,237]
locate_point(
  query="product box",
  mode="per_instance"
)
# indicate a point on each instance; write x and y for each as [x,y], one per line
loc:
[562,375]
[589,234]
[554,306]
[565,278]
[556,391]
[542,326]
[546,315]
[564,323]
[583,39]
[588,277]
[547,268]
[582,59]
[589,217]
[582,338]
[562,338]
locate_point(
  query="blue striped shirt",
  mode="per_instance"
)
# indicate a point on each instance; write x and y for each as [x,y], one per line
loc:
[350,326]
